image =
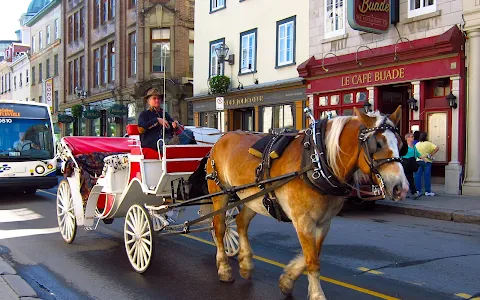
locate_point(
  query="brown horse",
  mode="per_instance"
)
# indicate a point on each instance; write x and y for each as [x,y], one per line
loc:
[309,210]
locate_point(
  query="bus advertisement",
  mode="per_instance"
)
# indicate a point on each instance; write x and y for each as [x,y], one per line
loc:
[27,147]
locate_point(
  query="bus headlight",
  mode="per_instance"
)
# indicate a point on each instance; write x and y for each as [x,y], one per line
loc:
[39,169]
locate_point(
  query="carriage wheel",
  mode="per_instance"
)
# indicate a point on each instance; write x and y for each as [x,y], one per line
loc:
[139,238]
[230,240]
[65,213]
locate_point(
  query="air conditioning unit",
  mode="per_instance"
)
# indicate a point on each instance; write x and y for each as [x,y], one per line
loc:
[186,80]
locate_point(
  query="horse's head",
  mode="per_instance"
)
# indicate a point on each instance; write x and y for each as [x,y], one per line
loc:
[380,151]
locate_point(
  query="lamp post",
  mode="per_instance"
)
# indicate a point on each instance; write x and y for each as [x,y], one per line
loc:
[451,100]
[366,106]
[412,104]
[165,48]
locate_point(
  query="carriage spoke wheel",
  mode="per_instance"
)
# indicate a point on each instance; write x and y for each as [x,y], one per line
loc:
[65,213]
[139,238]
[230,240]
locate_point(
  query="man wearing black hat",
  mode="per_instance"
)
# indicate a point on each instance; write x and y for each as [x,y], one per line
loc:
[151,122]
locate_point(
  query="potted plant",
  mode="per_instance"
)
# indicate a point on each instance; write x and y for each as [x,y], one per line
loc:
[219,84]
[77,111]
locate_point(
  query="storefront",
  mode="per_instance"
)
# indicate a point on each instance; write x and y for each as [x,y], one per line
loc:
[267,109]
[426,77]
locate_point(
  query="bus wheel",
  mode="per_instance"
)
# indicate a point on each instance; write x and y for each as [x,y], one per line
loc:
[30,191]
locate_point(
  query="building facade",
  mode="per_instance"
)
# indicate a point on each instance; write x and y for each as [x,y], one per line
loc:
[15,54]
[20,67]
[115,51]
[382,56]
[255,86]
[46,54]
[471,185]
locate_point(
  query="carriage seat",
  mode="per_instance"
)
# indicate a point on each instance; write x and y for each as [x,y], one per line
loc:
[148,153]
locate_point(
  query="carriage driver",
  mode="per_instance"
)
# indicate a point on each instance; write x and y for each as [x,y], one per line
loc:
[151,122]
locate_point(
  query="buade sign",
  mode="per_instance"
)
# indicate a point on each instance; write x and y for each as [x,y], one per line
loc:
[369,15]
[259,99]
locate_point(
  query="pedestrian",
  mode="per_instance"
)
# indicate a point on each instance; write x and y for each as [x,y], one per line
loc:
[410,165]
[416,136]
[151,124]
[427,150]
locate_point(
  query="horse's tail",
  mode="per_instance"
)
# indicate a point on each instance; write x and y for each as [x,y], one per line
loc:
[197,183]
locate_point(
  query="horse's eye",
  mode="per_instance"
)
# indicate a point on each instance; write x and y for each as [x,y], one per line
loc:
[379,146]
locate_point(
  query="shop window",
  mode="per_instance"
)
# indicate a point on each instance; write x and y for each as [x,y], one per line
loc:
[209,119]
[334,99]
[348,98]
[361,97]
[441,88]
[286,42]
[329,105]
[275,118]
[335,18]
[421,7]
[248,51]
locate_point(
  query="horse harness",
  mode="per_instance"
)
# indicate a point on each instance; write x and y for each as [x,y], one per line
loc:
[315,170]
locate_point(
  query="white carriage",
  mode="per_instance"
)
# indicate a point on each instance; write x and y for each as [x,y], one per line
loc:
[114,177]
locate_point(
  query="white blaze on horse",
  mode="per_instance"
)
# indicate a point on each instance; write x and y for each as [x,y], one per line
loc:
[369,143]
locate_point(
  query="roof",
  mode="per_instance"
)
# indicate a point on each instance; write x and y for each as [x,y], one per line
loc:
[48,5]
[37,5]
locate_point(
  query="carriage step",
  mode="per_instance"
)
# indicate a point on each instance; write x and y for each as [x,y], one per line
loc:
[89,228]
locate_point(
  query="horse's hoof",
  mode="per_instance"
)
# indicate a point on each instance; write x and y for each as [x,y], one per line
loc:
[286,285]
[225,276]
[318,297]
[246,274]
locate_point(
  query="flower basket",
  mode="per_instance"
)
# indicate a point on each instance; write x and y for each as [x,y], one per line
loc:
[77,111]
[219,84]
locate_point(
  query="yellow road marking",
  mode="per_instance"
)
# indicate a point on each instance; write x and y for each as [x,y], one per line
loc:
[466,296]
[47,192]
[369,271]
[327,279]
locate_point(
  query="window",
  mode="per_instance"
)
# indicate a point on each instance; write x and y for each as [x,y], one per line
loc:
[111,54]
[70,29]
[40,99]
[26,76]
[21,81]
[132,3]
[334,18]
[55,65]
[132,41]
[82,23]
[76,25]
[55,101]
[216,5]
[47,65]
[339,104]
[248,51]
[97,12]
[96,71]
[286,42]
[75,72]
[70,78]
[421,7]
[111,9]
[104,64]
[40,73]
[40,40]
[33,75]
[82,71]
[48,35]
[441,88]
[215,67]
[14,82]
[33,44]
[277,117]
[57,27]
[191,36]
[160,50]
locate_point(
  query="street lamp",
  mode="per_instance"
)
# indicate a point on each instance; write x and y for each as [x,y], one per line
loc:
[451,100]
[222,52]
[165,48]
[82,94]
[366,106]
[412,103]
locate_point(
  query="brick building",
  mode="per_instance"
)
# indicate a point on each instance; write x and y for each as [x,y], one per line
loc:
[115,51]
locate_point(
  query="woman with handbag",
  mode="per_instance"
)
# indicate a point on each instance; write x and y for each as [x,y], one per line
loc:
[410,165]
[427,150]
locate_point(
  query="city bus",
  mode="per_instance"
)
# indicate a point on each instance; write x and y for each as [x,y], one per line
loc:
[27,147]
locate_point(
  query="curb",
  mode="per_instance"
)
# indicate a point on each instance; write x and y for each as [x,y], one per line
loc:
[13,286]
[445,214]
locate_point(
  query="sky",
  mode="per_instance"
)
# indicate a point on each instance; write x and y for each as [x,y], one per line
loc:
[9,17]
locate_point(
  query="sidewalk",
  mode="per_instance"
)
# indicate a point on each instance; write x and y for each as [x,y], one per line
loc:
[456,208]
[12,286]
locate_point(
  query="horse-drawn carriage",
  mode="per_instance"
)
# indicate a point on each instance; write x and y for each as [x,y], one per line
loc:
[109,178]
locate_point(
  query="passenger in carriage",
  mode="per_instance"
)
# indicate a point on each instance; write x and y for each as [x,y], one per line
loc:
[151,122]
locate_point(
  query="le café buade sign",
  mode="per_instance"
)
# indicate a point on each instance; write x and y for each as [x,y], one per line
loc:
[251,100]
[369,15]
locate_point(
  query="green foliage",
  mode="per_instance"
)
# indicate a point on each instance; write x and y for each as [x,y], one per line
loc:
[77,110]
[219,84]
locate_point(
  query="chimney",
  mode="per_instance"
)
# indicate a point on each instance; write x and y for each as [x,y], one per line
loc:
[19,35]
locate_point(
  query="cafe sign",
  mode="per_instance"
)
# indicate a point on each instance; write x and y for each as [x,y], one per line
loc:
[369,15]
[119,110]
[91,114]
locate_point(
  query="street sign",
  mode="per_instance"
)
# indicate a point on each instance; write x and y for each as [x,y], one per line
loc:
[220,104]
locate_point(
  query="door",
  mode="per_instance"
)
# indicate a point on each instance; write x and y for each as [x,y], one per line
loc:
[243,119]
[390,99]
[438,134]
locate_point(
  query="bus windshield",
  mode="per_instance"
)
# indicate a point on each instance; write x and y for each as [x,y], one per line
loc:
[26,138]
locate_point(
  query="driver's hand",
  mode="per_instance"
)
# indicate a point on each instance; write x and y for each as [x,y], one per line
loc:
[163,122]
[175,124]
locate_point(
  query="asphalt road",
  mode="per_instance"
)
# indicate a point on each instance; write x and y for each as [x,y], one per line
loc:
[366,256]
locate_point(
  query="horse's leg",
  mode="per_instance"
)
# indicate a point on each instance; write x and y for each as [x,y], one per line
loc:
[224,269]
[311,238]
[245,255]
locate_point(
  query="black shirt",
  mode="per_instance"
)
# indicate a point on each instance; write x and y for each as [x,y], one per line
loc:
[151,131]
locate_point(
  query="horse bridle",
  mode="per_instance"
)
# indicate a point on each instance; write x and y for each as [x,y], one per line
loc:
[364,135]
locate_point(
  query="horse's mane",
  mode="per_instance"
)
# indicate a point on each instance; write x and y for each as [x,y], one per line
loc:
[333,138]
